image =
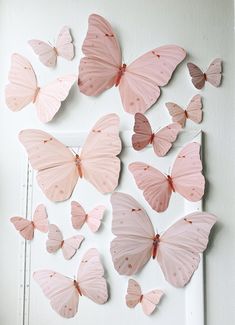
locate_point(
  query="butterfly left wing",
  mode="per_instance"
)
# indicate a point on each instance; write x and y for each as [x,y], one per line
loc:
[194,109]
[180,246]
[198,77]
[164,138]
[94,218]
[139,85]
[49,98]
[25,227]
[78,215]
[40,219]
[71,245]
[64,44]
[91,279]
[177,113]
[150,301]
[213,73]
[143,132]
[134,293]
[46,53]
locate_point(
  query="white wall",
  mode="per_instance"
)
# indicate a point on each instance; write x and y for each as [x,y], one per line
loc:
[205,30]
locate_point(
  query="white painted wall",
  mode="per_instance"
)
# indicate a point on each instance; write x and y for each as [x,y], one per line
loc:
[205,30]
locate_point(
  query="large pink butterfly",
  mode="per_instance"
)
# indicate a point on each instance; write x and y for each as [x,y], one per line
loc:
[192,112]
[63,292]
[23,89]
[26,227]
[212,74]
[56,241]
[139,83]
[59,168]
[161,140]
[149,301]
[176,250]
[48,54]
[186,179]
[92,218]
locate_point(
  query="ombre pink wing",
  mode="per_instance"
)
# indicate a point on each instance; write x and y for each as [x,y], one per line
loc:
[180,246]
[78,215]
[55,239]
[46,53]
[150,301]
[134,293]
[99,68]
[99,162]
[60,290]
[91,277]
[177,113]
[187,173]
[153,183]
[132,247]
[94,218]
[143,132]
[198,77]
[213,73]
[164,139]
[64,44]
[57,172]
[49,98]
[23,83]
[25,227]
[194,109]
[40,219]
[139,85]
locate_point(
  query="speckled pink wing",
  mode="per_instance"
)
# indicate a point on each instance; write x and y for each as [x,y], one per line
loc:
[132,247]
[180,246]
[139,85]
[153,183]
[143,132]
[46,53]
[91,279]
[60,290]
[40,219]
[25,227]
[164,139]
[64,44]
[186,173]
[23,83]
[213,73]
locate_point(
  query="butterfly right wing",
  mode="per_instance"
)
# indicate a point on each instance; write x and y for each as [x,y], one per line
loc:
[134,232]
[25,227]
[194,109]
[95,217]
[57,172]
[177,113]
[213,73]
[60,290]
[55,239]
[46,53]
[64,44]
[153,183]
[164,138]
[143,132]
[71,245]
[198,77]
[40,219]
[134,293]
[150,301]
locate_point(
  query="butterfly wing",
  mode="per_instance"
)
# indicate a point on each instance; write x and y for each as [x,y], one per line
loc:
[91,277]
[25,227]
[23,83]
[99,163]
[95,217]
[78,215]
[186,173]
[99,68]
[153,183]
[71,245]
[179,247]
[198,77]
[57,172]
[64,45]
[49,98]
[213,73]
[143,132]
[134,293]
[132,247]
[150,301]
[40,219]
[60,290]
[194,109]
[139,85]
[163,139]
[46,53]
[177,113]
[55,239]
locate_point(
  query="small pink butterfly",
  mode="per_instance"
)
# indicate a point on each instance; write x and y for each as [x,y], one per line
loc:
[185,178]
[56,241]
[149,301]
[26,227]
[23,89]
[64,292]
[212,74]
[192,112]
[162,140]
[48,54]
[139,83]
[92,218]
[176,250]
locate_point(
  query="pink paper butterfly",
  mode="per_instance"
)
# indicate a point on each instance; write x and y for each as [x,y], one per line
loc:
[212,74]
[92,218]
[56,241]
[139,83]
[186,179]
[161,140]
[176,250]
[23,89]
[48,54]
[26,227]
[149,301]
[63,292]
[59,168]
[192,112]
